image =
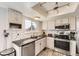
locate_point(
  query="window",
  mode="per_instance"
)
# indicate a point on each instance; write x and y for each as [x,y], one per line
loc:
[30,25]
[27,24]
[34,25]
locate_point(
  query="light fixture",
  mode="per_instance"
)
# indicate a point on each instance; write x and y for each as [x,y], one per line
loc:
[36,18]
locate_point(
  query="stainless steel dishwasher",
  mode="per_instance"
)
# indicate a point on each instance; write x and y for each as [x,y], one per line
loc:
[28,49]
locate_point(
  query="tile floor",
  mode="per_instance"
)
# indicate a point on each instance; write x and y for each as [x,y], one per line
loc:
[49,52]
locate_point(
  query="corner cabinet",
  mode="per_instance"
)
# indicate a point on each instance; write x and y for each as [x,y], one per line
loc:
[39,45]
[50,42]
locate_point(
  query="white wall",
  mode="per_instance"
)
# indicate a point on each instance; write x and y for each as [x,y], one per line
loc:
[3,26]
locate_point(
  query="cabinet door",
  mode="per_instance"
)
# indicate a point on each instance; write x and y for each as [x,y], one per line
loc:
[51,25]
[37,46]
[11,15]
[50,42]
[58,22]
[65,21]
[73,48]
[43,43]
[44,25]
[72,23]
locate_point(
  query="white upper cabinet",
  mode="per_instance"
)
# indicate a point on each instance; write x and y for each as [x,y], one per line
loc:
[72,23]
[58,22]
[51,25]
[48,25]
[61,21]
[15,16]
[64,21]
[44,25]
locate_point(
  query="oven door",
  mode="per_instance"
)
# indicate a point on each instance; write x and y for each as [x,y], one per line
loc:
[62,45]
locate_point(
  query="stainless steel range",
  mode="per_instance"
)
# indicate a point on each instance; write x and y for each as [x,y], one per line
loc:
[62,41]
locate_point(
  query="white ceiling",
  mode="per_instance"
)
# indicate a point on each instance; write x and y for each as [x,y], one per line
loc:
[20,6]
[50,5]
[26,7]
[67,8]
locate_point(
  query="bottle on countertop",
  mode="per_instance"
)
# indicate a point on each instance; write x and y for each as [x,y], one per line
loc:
[43,33]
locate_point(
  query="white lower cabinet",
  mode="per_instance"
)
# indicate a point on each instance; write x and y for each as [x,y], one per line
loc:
[37,46]
[43,43]
[72,48]
[18,49]
[50,42]
[40,45]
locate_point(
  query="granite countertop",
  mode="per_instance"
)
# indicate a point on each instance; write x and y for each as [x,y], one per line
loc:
[23,41]
[51,36]
[26,41]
